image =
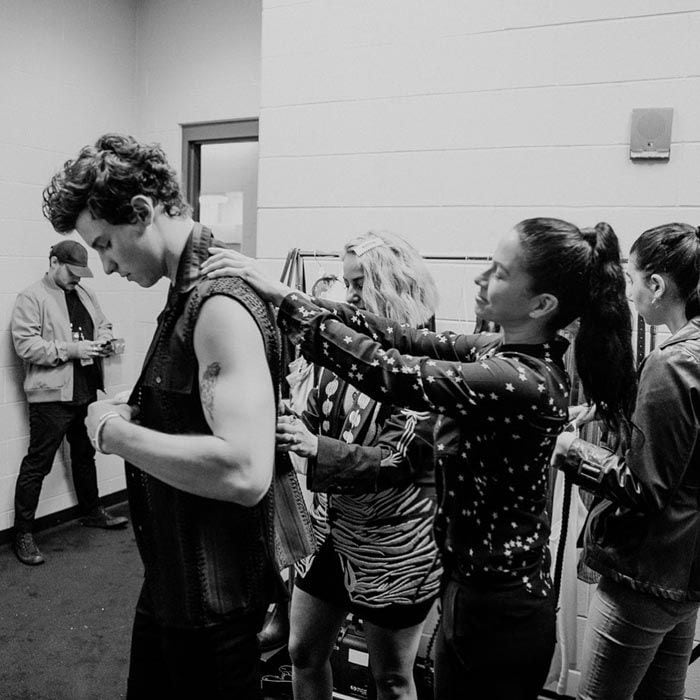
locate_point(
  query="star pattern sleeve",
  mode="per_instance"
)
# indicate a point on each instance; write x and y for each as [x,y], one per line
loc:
[420,383]
[403,338]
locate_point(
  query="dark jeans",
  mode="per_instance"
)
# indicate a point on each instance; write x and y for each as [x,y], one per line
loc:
[49,423]
[493,644]
[215,662]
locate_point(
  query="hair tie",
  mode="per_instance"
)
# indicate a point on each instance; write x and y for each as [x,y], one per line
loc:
[361,248]
[590,235]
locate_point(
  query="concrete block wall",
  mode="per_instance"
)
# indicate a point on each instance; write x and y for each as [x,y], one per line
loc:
[68,68]
[449,121]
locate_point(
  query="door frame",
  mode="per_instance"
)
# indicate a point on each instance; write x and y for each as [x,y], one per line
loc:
[197,134]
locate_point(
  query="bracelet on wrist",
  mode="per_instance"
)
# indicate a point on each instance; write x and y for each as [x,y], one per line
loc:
[97,437]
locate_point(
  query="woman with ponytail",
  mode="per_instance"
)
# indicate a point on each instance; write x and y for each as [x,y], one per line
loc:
[645,538]
[501,399]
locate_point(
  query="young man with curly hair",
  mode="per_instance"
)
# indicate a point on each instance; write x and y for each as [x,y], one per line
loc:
[197,433]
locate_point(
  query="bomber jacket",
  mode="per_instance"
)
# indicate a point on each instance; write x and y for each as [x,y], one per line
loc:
[647,534]
[41,334]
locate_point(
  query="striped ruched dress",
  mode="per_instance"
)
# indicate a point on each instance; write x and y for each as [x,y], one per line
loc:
[375,464]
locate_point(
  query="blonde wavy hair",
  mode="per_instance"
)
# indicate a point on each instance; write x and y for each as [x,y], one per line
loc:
[397,282]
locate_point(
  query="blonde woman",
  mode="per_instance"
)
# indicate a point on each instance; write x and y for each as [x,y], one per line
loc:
[379,558]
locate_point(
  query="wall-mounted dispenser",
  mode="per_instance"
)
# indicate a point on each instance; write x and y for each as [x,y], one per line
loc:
[650,137]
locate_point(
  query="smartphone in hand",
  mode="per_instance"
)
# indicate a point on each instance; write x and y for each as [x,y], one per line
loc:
[104,347]
[114,346]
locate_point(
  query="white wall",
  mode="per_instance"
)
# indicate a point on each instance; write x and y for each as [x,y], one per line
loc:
[449,121]
[197,61]
[66,75]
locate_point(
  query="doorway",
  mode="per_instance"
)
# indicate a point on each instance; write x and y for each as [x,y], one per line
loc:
[220,172]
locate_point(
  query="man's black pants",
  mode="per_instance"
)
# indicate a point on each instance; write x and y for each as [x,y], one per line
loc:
[49,423]
[217,662]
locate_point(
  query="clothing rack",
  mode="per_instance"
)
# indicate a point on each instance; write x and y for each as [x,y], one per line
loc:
[446,258]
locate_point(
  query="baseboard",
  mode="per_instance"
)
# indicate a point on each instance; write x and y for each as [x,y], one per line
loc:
[63,516]
[556,696]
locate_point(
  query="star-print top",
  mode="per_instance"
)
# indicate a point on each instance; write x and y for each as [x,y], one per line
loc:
[500,409]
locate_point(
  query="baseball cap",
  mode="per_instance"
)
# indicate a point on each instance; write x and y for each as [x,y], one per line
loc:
[74,256]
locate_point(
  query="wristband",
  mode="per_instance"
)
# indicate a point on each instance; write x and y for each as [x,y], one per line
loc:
[97,438]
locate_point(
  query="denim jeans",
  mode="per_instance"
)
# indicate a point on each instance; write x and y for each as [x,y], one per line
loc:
[217,662]
[635,645]
[49,423]
[493,644]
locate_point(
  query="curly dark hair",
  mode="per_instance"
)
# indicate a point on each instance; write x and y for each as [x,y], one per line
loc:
[105,177]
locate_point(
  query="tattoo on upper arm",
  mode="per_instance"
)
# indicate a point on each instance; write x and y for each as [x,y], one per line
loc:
[206,388]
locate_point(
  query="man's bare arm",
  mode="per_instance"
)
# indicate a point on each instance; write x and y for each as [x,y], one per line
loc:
[236,462]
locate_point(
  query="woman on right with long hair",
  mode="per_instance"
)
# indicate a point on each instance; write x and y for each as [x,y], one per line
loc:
[645,538]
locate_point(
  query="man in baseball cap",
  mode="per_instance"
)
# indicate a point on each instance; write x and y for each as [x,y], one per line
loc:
[61,334]
[73,255]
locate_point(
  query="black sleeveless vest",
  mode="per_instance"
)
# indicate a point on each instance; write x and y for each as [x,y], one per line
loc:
[205,560]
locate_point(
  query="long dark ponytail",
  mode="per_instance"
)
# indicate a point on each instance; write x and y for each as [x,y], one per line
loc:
[582,269]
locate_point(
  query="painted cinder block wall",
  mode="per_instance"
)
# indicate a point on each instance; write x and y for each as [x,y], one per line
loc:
[449,121]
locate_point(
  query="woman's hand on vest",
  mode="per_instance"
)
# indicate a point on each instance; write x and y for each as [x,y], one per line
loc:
[293,436]
[226,263]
